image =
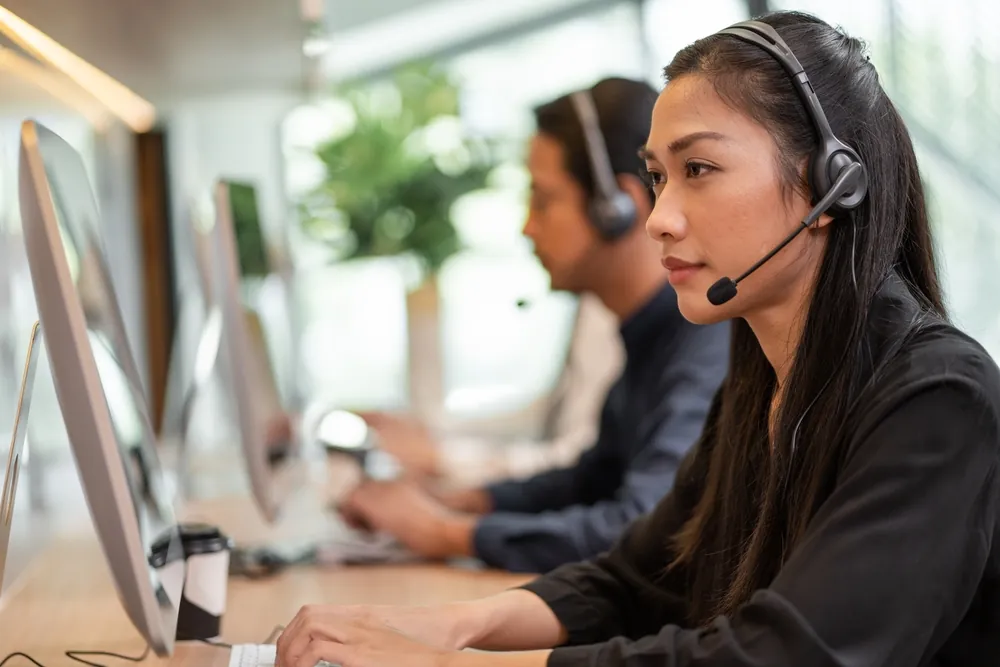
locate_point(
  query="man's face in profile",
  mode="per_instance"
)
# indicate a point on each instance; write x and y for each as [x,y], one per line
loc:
[558,223]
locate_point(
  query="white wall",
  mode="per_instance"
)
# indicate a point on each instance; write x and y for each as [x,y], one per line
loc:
[232,135]
[235,136]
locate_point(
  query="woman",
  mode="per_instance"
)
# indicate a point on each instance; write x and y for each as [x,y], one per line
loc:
[841,506]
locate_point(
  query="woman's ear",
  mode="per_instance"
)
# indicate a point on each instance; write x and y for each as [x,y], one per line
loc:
[822,221]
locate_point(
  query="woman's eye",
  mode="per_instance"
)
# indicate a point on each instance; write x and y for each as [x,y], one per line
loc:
[654,178]
[697,169]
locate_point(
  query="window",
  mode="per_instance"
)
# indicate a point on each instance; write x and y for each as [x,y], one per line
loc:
[670,25]
[353,350]
[496,356]
[942,69]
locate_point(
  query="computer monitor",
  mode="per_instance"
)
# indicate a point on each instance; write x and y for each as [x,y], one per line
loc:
[195,346]
[243,359]
[18,435]
[97,383]
[251,248]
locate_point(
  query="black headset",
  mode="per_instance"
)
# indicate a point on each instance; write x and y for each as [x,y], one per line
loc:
[612,210]
[831,155]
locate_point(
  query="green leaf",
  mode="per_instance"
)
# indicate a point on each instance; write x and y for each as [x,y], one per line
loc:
[385,192]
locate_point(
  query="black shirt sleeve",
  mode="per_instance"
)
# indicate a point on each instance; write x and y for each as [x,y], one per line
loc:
[885,573]
[629,590]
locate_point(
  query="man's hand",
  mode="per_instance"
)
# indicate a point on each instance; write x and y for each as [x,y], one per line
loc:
[408,441]
[468,501]
[403,510]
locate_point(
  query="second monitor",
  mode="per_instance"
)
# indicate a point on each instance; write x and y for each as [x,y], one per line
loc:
[271,460]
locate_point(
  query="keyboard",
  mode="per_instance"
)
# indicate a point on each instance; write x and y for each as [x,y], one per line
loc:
[259,655]
[355,548]
[252,655]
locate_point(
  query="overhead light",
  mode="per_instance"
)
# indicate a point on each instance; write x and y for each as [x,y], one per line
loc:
[132,109]
[56,85]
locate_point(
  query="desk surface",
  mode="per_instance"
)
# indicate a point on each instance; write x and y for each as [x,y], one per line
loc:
[66,598]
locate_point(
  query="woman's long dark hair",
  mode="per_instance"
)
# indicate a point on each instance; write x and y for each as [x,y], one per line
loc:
[759,495]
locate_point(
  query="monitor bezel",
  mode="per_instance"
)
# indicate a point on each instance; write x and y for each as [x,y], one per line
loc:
[82,401]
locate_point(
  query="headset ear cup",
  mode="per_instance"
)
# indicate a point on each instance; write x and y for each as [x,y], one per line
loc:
[818,176]
[825,167]
[613,217]
[853,198]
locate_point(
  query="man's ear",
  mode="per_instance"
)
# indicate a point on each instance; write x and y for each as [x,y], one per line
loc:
[634,187]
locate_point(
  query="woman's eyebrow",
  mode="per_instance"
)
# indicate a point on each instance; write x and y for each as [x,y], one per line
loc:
[677,145]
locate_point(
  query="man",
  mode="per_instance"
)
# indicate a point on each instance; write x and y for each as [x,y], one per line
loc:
[586,220]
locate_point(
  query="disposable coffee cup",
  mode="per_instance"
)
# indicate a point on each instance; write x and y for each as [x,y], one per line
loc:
[203,599]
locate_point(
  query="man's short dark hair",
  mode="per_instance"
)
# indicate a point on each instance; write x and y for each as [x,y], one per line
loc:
[624,107]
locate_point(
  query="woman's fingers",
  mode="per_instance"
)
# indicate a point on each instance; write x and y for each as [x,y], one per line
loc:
[313,624]
[331,652]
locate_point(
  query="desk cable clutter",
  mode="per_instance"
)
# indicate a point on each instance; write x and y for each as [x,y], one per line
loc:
[79,656]
[76,656]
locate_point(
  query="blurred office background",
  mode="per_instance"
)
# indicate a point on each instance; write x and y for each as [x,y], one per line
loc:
[382,143]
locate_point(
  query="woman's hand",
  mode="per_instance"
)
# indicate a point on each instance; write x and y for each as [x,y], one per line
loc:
[365,637]
[353,641]
[431,636]
[363,631]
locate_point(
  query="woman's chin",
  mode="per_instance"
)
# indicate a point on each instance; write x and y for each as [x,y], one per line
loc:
[695,308]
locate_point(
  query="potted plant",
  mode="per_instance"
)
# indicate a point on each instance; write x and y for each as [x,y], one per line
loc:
[391,182]
[389,188]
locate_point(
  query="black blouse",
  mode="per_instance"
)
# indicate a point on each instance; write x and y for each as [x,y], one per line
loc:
[900,566]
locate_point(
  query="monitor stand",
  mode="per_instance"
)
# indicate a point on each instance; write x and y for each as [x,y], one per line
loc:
[18,436]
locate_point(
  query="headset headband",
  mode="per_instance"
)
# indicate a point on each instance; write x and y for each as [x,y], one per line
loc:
[831,155]
[767,38]
[597,150]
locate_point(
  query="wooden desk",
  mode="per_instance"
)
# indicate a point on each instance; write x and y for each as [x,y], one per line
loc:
[66,598]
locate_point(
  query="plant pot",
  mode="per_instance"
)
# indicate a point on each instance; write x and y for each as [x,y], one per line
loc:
[424,352]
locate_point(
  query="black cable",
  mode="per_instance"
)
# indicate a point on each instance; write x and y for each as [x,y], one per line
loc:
[72,655]
[18,654]
[220,644]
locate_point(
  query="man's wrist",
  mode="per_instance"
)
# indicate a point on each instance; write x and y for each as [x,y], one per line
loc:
[476,501]
[457,534]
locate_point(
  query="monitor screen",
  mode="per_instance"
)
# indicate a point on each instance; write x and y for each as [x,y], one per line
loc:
[79,224]
[249,236]
[15,455]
